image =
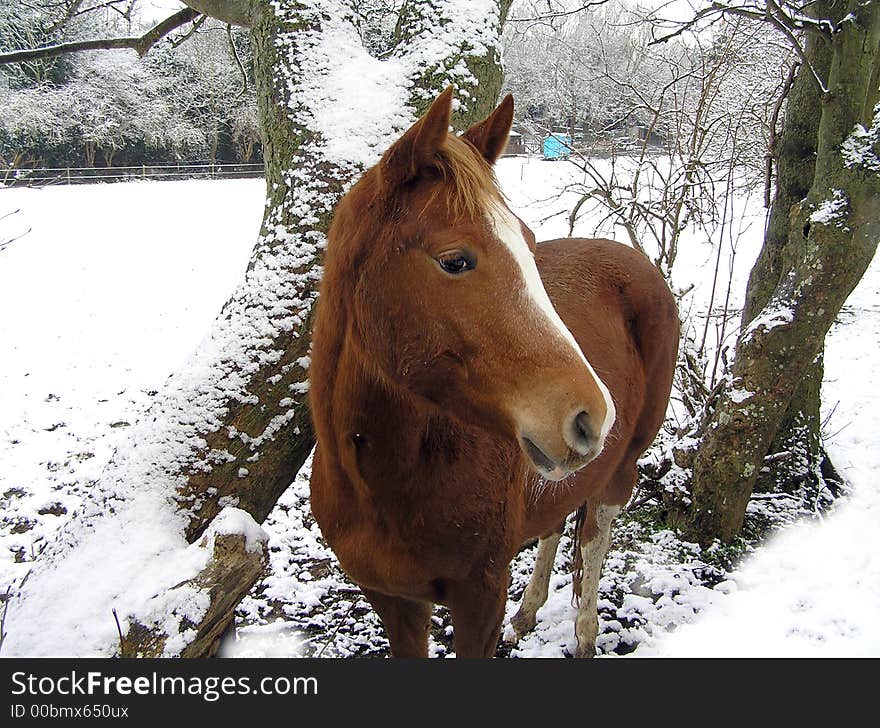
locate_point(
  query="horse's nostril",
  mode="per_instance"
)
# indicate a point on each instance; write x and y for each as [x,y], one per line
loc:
[537,455]
[584,434]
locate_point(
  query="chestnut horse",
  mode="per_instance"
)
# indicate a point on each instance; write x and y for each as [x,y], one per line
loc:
[447,392]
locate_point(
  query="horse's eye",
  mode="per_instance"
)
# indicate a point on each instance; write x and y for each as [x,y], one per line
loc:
[457,262]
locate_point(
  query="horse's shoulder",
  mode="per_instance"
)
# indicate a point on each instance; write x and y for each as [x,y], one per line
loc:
[598,257]
[599,267]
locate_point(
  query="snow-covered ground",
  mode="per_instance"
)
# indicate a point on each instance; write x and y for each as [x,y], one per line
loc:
[115,284]
[815,589]
[105,296]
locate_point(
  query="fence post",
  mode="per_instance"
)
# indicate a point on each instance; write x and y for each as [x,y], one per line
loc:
[68,175]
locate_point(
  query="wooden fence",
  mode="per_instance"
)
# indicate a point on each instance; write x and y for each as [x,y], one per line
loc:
[86,175]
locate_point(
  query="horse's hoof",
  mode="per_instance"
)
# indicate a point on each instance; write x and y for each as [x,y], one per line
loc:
[522,624]
[585,651]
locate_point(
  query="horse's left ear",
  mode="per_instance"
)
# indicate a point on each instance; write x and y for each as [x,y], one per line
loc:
[418,148]
[490,135]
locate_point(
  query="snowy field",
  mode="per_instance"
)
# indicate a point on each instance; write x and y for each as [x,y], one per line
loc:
[114,285]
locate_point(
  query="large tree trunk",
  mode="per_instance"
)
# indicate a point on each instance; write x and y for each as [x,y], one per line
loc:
[799,432]
[232,428]
[832,237]
[266,434]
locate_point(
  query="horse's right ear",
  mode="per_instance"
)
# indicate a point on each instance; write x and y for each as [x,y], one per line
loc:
[490,135]
[417,149]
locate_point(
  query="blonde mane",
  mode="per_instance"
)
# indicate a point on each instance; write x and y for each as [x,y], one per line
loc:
[472,186]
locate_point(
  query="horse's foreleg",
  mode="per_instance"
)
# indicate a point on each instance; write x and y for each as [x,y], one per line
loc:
[477,610]
[535,594]
[407,623]
[595,539]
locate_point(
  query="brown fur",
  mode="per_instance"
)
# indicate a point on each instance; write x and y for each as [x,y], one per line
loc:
[419,382]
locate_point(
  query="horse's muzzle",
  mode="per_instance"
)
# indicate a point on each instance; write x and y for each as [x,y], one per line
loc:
[580,444]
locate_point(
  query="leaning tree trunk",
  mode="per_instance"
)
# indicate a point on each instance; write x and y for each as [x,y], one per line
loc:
[232,428]
[798,439]
[832,237]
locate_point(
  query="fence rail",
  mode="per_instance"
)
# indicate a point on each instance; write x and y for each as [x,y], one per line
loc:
[85,175]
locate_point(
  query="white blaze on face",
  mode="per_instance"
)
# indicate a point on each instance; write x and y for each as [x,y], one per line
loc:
[508,230]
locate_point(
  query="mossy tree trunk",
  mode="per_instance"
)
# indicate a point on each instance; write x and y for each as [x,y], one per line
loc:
[831,238]
[798,439]
[476,72]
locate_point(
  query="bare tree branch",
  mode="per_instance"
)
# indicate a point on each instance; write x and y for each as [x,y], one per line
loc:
[551,14]
[110,5]
[72,9]
[197,23]
[241,68]
[3,244]
[234,12]
[141,44]
[790,24]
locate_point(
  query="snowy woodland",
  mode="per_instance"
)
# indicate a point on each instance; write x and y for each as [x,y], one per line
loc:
[155,438]
[189,102]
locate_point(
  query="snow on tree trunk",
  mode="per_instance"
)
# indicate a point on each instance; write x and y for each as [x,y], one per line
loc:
[832,238]
[426,27]
[231,428]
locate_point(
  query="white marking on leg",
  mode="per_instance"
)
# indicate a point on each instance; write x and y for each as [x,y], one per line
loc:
[535,594]
[586,627]
[508,230]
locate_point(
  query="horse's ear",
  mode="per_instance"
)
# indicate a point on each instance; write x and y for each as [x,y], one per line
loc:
[417,148]
[490,135]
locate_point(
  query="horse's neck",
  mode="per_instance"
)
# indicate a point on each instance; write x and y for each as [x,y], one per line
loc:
[388,428]
[402,444]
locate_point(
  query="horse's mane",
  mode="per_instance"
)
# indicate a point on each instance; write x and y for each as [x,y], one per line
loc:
[473,185]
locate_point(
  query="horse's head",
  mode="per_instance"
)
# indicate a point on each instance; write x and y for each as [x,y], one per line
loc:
[446,298]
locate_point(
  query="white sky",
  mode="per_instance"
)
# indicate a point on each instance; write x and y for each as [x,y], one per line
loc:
[156,10]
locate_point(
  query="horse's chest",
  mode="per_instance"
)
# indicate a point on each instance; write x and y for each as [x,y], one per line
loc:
[402,526]
[413,551]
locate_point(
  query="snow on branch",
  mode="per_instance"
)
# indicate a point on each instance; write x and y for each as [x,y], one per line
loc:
[552,12]
[141,44]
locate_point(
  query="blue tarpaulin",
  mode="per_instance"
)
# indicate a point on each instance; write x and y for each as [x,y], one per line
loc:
[557,146]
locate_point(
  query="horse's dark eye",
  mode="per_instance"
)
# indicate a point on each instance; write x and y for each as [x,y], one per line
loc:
[456,263]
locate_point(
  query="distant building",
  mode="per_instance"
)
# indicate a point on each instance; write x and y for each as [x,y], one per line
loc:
[516,144]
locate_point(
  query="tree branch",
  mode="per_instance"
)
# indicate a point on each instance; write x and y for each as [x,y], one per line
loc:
[141,44]
[110,5]
[241,68]
[551,14]
[772,13]
[72,10]
[234,12]
[197,23]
